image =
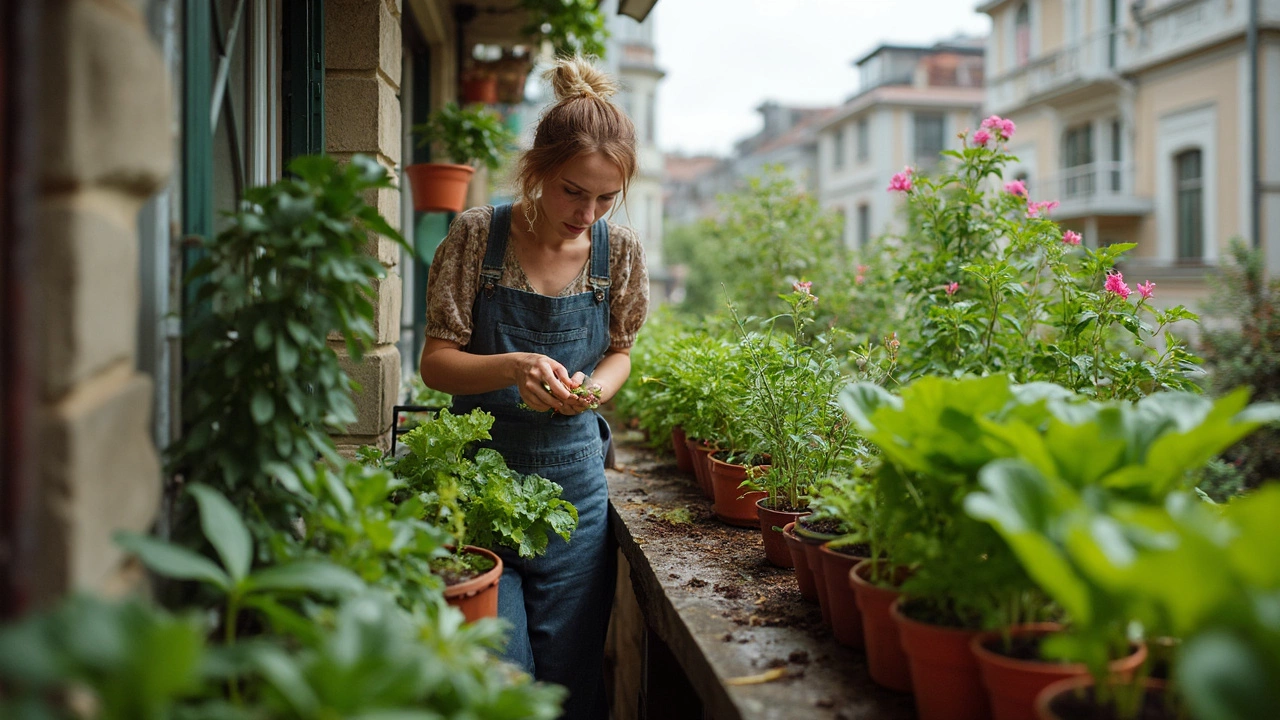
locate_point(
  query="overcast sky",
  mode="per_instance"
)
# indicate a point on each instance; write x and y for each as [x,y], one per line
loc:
[725,57]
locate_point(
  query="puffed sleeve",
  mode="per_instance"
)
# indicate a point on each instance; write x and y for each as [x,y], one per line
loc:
[628,288]
[454,277]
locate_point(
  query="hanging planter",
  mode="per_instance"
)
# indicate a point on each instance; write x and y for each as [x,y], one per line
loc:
[469,137]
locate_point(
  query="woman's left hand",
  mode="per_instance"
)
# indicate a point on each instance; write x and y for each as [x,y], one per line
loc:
[576,403]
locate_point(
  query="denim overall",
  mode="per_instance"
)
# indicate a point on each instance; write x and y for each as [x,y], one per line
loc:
[558,603]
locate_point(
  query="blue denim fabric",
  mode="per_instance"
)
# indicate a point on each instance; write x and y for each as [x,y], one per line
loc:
[558,603]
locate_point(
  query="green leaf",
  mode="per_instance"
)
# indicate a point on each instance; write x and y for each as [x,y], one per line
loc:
[286,355]
[263,407]
[173,561]
[306,576]
[1223,677]
[224,529]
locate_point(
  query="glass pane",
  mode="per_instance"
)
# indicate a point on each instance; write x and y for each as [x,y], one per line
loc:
[1189,165]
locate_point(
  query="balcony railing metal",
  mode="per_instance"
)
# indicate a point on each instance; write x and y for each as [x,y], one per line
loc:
[1173,27]
[1094,57]
[1100,188]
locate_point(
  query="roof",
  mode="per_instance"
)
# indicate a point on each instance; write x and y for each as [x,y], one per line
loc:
[962,44]
[683,168]
[905,95]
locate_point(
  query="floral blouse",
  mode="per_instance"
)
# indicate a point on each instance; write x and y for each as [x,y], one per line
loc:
[455,279]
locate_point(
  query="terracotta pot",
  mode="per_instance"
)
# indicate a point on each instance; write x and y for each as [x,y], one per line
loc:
[804,576]
[944,672]
[1053,703]
[439,187]
[775,548]
[846,621]
[480,89]
[886,660]
[701,464]
[812,541]
[684,460]
[730,503]
[1013,684]
[478,597]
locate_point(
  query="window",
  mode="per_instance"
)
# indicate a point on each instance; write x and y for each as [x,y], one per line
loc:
[1189,194]
[864,225]
[1117,155]
[838,150]
[864,140]
[1077,161]
[930,137]
[1022,35]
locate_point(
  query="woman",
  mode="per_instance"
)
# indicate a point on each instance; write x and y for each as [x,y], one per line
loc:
[525,303]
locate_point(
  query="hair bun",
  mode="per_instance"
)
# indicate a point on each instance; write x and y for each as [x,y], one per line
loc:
[575,77]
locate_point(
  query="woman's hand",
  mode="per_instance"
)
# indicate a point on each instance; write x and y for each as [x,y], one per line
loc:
[542,382]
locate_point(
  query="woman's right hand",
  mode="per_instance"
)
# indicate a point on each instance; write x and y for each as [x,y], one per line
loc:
[543,383]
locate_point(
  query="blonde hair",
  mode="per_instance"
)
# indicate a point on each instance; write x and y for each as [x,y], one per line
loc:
[581,122]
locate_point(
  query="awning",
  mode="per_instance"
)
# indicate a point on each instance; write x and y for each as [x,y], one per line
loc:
[638,9]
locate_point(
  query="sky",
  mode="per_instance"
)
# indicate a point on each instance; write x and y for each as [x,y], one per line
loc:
[723,58]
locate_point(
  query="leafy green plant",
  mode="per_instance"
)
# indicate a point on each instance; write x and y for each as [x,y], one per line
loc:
[1242,348]
[348,518]
[262,386]
[573,27]
[472,135]
[240,585]
[792,407]
[477,498]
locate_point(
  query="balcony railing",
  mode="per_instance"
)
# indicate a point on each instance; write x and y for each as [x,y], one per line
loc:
[1100,188]
[1172,27]
[1093,57]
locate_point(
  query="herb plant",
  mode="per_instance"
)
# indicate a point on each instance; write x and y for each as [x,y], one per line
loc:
[470,135]
[573,27]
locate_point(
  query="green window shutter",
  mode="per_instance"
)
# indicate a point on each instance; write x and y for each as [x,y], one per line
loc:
[303,81]
[197,140]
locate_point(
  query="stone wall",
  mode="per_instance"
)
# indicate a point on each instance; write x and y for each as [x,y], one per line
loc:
[362,115]
[105,147]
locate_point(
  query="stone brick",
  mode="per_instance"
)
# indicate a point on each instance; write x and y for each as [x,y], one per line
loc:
[386,319]
[385,249]
[106,114]
[379,378]
[87,290]
[100,474]
[362,114]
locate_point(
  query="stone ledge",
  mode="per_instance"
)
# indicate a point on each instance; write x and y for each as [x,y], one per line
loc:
[706,623]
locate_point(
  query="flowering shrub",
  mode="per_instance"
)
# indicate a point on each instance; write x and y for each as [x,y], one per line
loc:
[994,286]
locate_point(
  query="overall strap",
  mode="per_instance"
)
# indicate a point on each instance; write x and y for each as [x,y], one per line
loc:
[496,248]
[599,272]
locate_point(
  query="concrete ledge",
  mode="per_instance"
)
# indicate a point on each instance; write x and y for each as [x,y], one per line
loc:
[706,592]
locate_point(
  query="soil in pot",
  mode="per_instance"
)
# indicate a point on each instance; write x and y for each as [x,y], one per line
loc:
[944,672]
[731,503]
[1074,699]
[475,595]
[679,443]
[842,609]
[1014,674]
[814,534]
[804,576]
[886,660]
[775,548]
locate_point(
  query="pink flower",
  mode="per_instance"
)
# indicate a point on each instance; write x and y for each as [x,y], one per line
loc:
[1043,206]
[952,288]
[803,287]
[1071,237]
[982,137]
[1017,187]
[1002,127]
[893,342]
[860,279]
[1147,289]
[862,269]
[902,181]
[1115,284]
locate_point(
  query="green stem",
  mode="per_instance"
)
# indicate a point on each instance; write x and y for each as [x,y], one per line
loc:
[229,638]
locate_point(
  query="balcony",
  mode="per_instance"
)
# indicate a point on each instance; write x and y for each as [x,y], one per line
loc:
[1101,189]
[1167,29]
[1057,76]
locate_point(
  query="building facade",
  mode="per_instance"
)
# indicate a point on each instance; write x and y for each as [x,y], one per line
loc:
[1153,122]
[912,103]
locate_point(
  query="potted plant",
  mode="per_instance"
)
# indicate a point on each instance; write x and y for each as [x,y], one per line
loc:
[481,502]
[792,412]
[468,137]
